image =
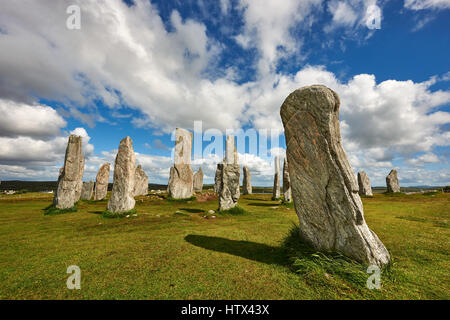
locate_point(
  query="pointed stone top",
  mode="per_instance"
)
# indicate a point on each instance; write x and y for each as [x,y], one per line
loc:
[231,156]
[183,146]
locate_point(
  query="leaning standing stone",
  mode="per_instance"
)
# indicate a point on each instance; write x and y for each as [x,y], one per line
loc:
[364,184]
[87,190]
[392,182]
[286,182]
[101,182]
[70,177]
[276,180]
[122,195]
[323,184]
[181,184]
[198,180]
[140,182]
[246,182]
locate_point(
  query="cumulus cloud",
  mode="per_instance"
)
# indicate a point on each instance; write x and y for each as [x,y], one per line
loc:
[268,24]
[20,119]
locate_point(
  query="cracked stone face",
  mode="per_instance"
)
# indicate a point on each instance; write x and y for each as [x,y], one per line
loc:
[246,182]
[122,194]
[286,182]
[324,187]
[70,177]
[198,180]
[101,182]
[364,184]
[392,182]
[181,181]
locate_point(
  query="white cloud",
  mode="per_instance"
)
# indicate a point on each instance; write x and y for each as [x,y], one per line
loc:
[268,24]
[423,159]
[20,119]
[426,4]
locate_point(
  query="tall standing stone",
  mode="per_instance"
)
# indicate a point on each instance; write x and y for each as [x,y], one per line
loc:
[229,177]
[101,182]
[122,195]
[323,184]
[217,179]
[140,182]
[286,182]
[392,182]
[276,180]
[364,184]
[181,175]
[246,182]
[70,177]
[87,190]
[198,180]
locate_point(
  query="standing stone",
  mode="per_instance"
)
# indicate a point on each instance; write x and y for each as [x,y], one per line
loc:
[181,175]
[87,190]
[276,180]
[364,184]
[392,182]
[246,183]
[70,177]
[229,177]
[286,182]
[217,179]
[140,182]
[323,184]
[122,195]
[101,182]
[198,180]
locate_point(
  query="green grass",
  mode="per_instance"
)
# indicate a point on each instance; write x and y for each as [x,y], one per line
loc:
[237,210]
[112,215]
[193,198]
[51,210]
[173,250]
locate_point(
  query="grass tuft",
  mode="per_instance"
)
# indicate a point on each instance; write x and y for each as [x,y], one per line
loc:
[321,269]
[233,211]
[52,210]
[113,215]
[181,200]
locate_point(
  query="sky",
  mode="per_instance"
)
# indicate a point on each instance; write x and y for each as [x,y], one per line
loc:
[142,68]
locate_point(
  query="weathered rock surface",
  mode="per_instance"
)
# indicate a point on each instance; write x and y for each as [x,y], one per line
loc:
[392,181]
[286,182]
[323,184]
[140,182]
[87,190]
[364,184]
[276,180]
[70,177]
[122,194]
[229,177]
[101,182]
[229,185]
[198,180]
[181,181]
[246,181]
[217,179]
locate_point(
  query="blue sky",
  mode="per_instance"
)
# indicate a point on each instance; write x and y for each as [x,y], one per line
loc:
[142,68]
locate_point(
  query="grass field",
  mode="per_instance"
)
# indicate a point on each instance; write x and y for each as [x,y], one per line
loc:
[170,250]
